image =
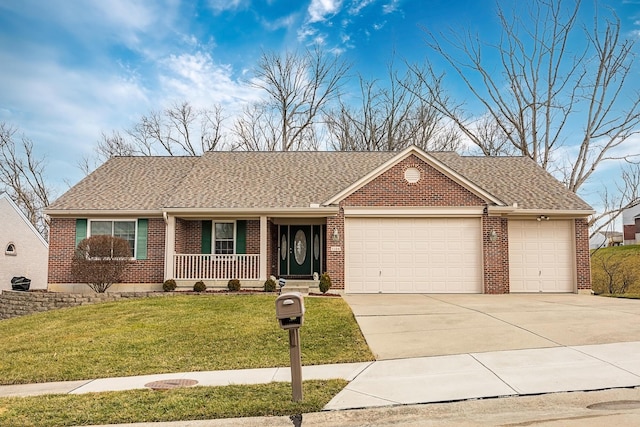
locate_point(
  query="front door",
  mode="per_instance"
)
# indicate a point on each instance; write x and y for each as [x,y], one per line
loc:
[295,250]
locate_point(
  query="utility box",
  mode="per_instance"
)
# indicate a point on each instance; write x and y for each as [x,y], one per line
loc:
[290,310]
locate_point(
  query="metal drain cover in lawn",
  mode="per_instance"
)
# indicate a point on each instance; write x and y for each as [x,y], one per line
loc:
[169,384]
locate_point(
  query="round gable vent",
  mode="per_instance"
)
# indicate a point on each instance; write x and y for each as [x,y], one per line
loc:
[412,175]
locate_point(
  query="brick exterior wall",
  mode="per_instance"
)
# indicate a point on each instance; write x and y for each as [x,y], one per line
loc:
[495,255]
[62,246]
[253,237]
[188,236]
[583,256]
[335,259]
[433,189]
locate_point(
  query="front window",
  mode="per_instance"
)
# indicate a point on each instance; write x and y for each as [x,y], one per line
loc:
[224,238]
[124,229]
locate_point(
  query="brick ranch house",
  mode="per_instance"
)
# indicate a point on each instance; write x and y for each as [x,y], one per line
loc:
[377,222]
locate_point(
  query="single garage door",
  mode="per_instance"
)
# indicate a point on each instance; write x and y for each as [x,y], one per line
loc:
[541,256]
[413,255]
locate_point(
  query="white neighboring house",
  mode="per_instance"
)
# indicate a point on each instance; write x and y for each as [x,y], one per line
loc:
[23,251]
[604,239]
[631,225]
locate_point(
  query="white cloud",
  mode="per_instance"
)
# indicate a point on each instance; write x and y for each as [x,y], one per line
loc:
[320,10]
[357,6]
[283,22]
[196,78]
[219,6]
[391,7]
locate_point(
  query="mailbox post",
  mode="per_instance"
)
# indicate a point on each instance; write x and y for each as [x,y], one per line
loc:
[290,314]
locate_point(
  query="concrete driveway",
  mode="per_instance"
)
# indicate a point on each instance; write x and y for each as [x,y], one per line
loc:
[403,326]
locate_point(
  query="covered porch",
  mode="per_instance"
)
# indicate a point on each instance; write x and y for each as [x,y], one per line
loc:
[215,248]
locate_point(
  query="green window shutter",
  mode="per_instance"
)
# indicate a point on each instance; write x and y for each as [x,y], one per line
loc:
[141,243]
[205,247]
[81,230]
[241,237]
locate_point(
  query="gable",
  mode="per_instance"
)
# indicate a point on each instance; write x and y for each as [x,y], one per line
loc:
[432,188]
[425,159]
[16,228]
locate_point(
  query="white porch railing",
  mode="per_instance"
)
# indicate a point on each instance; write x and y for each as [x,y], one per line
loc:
[216,267]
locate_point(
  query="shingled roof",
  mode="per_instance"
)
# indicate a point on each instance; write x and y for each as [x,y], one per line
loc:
[515,180]
[266,180]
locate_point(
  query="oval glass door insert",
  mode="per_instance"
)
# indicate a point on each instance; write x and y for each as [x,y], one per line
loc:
[300,247]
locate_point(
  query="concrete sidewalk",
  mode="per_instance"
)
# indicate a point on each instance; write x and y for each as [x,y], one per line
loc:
[417,380]
[346,371]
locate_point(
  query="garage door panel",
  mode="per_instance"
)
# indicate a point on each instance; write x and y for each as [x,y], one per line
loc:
[541,256]
[413,255]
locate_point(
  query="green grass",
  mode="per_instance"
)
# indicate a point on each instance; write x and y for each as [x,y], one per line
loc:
[194,403]
[182,333]
[628,260]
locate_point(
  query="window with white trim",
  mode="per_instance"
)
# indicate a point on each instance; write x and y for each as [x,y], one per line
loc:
[224,238]
[125,229]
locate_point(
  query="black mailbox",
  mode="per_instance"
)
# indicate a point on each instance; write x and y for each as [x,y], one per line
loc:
[290,310]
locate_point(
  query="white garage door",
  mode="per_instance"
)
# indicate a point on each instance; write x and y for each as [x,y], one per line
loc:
[413,255]
[541,256]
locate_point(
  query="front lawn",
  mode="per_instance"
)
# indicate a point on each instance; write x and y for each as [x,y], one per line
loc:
[136,406]
[180,333]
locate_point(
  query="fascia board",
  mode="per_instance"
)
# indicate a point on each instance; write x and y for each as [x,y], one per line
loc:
[315,212]
[198,212]
[415,212]
[552,213]
[80,213]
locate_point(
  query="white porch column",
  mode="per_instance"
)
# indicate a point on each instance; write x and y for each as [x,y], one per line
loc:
[169,246]
[263,248]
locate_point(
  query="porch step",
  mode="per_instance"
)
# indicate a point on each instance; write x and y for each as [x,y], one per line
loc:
[302,286]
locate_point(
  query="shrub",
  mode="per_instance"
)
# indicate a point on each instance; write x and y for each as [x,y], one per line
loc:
[199,286]
[614,272]
[169,285]
[325,282]
[234,285]
[100,261]
[270,285]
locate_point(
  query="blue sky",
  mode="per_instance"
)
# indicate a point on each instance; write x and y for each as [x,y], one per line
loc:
[71,69]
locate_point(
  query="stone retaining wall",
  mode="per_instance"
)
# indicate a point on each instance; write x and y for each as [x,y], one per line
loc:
[18,303]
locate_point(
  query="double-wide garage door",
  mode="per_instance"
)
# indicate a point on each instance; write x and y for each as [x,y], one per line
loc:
[413,255]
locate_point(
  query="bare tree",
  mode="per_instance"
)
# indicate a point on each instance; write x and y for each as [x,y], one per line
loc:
[539,92]
[391,116]
[176,131]
[257,129]
[22,174]
[624,195]
[298,87]
[100,261]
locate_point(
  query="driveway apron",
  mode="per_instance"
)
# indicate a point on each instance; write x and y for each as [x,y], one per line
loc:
[398,326]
